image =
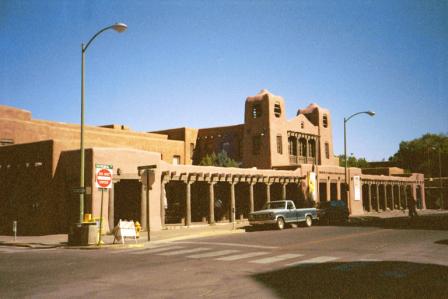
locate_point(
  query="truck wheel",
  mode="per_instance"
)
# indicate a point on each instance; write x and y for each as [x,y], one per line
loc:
[280,223]
[308,221]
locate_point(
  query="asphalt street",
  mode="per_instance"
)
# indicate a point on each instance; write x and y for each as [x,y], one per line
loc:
[317,262]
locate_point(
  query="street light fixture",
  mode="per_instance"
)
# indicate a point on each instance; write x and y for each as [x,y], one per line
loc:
[119,27]
[347,184]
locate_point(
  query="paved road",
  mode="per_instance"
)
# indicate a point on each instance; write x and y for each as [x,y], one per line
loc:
[318,262]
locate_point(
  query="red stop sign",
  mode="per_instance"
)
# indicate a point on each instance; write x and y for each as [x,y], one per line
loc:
[104,178]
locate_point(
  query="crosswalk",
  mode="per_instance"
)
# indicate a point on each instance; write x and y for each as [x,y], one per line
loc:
[218,253]
[17,249]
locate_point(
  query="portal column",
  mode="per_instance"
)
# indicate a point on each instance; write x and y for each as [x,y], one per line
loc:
[328,185]
[188,204]
[377,197]
[143,207]
[422,196]
[232,202]
[211,191]
[111,209]
[251,196]
[392,196]
[338,190]
[369,191]
[163,202]
[385,196]
[268,192]
[283,191]
[405,196]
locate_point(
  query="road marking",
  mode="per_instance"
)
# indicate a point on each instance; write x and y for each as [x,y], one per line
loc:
[316,260]
[213,254]
[177,252]
[156,250]
[229,244]
[277,258]
[241,256]
[348,236]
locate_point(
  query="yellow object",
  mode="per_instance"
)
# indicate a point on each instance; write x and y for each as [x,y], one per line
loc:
[138,229]
[87,217]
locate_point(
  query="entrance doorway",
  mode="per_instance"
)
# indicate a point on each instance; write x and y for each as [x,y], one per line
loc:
[127,195]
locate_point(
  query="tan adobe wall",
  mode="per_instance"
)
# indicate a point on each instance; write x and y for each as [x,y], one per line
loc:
[25,131]
[11,112]
[217,139]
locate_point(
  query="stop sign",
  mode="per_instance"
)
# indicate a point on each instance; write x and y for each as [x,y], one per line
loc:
[103,176]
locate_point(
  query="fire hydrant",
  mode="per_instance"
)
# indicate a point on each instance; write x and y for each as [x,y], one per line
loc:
[138,229]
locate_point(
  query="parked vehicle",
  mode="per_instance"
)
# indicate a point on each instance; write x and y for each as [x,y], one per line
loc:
[281,212]
[333,211]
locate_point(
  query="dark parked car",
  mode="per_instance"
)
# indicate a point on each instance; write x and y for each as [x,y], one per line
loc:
[334,211]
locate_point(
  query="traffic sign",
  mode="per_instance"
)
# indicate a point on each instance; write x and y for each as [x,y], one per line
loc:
[103,176]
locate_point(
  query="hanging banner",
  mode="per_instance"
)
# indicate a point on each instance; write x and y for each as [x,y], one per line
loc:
[312,190]
[357,187]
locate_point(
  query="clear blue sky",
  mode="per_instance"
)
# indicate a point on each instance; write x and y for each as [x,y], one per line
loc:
[193,63]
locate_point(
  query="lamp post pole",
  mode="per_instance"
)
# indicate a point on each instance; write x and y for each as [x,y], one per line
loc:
[442,205]
[119,27]
[347,183]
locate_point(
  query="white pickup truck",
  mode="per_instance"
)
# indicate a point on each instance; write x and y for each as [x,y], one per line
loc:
[281,212]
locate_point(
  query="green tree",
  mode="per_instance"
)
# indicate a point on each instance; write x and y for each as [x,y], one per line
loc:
[353,162]
[422,155]
[221,159]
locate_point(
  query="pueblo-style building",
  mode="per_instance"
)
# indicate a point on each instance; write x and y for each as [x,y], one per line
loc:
[280,159]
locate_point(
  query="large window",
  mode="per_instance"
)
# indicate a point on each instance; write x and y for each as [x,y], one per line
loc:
[325,121]
[292,141]
[277,110]
[327,150]
[256,110]
[256,145]
[279,144]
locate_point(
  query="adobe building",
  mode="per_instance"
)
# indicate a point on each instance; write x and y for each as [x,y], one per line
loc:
[280,159]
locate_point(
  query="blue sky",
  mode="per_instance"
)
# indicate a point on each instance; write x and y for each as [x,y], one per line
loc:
[193,63]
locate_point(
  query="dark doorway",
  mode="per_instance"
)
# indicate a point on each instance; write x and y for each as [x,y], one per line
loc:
[127,195]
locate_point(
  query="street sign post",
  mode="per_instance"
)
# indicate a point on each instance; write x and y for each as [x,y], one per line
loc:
[103,180]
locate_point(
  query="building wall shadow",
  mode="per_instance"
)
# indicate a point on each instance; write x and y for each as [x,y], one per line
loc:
[386,279]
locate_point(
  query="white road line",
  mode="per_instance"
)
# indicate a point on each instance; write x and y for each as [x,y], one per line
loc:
[177,252]
[229,244]
[277,258]
[156,250]
[241,256]
[213,253]
[316,260]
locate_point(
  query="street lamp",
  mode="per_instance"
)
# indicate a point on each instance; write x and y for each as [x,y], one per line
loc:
[347,184]
[119,27]
[440,176]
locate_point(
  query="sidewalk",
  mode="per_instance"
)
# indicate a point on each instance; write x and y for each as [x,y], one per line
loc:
[156,237]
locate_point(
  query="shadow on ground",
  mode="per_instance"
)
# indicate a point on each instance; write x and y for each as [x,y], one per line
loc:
[358,280]
[430,222]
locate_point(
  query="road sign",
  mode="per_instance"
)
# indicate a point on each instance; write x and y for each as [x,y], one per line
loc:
[79,190]
[103,176]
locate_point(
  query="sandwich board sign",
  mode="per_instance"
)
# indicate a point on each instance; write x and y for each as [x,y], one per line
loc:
[103,176]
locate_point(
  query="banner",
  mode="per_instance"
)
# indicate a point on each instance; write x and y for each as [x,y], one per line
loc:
[312,189]
[357,187]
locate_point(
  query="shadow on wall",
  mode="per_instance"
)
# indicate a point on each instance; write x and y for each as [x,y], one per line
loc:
[358,280]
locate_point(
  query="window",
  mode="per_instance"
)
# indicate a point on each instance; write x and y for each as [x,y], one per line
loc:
[277,110]
[302,125]
[279,144]
[327,150]
[325,121]
[191,150]
[256,110]
[176,160]
[225,146]
[312,147]
[292,141]
[256,145]
[302,147]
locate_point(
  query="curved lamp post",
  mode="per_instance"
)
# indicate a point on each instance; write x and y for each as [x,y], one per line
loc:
[119,27]
[347,183]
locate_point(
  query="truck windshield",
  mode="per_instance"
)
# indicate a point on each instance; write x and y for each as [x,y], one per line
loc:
[274,205]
